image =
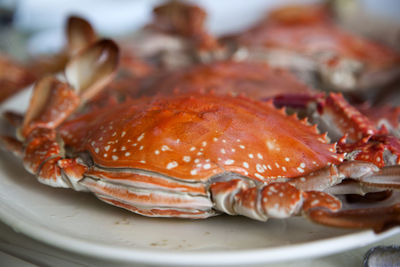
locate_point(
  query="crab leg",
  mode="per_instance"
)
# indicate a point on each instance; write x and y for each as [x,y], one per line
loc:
[275,200]
[329,176]
[284,199]
[377,218]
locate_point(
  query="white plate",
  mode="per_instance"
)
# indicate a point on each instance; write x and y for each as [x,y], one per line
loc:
[80,223]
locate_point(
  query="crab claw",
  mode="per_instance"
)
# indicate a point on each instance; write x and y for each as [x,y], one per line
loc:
[80,34]
[89,71]
[53,101]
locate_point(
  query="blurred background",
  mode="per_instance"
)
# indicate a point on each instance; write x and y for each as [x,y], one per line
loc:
[32,27]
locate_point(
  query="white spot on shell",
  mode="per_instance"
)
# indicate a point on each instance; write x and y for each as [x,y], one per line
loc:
[251,156]
[300,169]
[207,166]
[123,134]
[259,156]
[165,148]
[259,176]
[114,157]
[106,148]
[287,159]
[127,154]
[259,168]
[186,158]
[315,202]
[123,148]
[192,148]
[96,150]
[140,137]
[157,152]
[204,143]
[246,165]
[229,162]
[193,172]
[172,165]
[242,146]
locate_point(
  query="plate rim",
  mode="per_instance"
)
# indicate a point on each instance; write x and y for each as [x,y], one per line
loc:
[14,219]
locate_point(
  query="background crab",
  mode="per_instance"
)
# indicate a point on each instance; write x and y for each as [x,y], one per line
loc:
[305,38]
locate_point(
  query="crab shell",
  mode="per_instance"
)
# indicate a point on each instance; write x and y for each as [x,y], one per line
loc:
[158,158]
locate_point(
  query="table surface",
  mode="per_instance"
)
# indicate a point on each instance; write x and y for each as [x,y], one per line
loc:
[19,250]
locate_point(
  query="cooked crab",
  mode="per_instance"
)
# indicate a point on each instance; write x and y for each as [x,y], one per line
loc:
[188,156]
[306,39]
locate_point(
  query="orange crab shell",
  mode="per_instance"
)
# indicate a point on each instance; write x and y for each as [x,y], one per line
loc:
[197,137]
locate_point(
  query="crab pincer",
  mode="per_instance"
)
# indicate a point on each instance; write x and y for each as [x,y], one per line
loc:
[53,101]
